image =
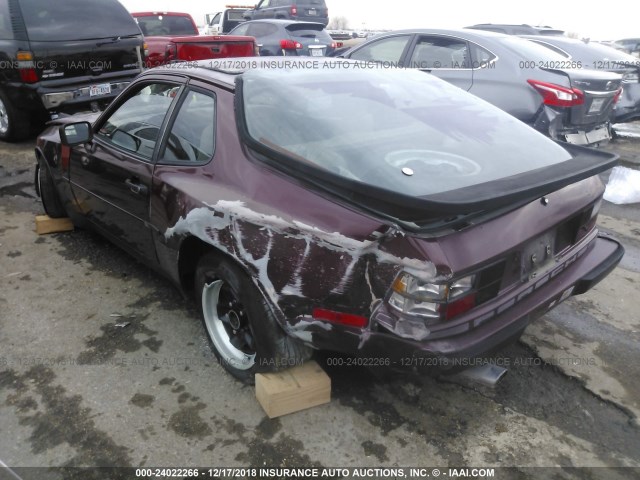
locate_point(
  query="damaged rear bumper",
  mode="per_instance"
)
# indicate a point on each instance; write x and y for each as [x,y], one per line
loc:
[552,123]
[480,337]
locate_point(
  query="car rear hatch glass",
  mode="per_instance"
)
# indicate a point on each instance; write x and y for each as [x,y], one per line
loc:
[162,25]
[312,36]
[81,37]
[401,142]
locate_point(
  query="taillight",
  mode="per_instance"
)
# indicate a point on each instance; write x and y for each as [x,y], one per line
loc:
[432,301]
[171,52]
[26,67]
[294,10]
[347,319]
[290,45]
[557,96]
[618,95]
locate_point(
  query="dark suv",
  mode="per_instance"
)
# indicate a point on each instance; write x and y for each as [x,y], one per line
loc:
[307,10]
[62,56]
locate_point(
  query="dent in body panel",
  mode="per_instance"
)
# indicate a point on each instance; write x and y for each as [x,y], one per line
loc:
[299,266]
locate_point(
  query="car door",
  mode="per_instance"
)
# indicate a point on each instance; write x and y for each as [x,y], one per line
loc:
[189,145]
[446,57]
[111,177]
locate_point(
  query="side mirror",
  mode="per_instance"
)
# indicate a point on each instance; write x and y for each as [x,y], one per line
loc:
[75,133]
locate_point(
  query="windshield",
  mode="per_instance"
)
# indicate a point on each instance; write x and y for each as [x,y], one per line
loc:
[76,20]
[403,131]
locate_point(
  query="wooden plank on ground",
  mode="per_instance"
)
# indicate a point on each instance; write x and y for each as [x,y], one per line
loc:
[46,224]
[293,389]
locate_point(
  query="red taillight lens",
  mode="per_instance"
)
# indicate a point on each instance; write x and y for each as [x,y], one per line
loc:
[294,10]
[290,45]
[171,52]
[347,319]
[618,95]
[557,96]
[26,68]
[28,75]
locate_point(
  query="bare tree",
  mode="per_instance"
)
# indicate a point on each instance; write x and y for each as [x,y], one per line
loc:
[338,23]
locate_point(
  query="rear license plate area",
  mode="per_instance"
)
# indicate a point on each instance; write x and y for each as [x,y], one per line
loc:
[97,90]
[313,12]
[596,105]
[537,256]
[316,51]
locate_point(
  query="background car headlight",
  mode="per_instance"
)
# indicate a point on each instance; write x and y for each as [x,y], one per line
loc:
[432,301]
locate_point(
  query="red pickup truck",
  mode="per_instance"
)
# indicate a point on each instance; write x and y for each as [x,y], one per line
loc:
[173,36]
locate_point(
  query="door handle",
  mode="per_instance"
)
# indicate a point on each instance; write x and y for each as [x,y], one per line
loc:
[136,187]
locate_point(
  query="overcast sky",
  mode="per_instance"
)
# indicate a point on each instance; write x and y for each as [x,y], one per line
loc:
[608,21]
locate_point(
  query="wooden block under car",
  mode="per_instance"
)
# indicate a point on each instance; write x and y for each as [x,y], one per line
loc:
[293,389]
[46,224]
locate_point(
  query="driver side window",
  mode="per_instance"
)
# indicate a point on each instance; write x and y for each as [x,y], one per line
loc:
[135,125]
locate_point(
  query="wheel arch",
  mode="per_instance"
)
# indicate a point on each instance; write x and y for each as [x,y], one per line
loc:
[39,156]
[191,250]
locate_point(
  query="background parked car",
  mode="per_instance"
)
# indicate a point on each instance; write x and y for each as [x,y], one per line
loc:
[287,37]
[523,29]
[306,10]
[529,81]
[62,56]
[173,36]
[415,232]
[632,44]
[223,22]
[593,55]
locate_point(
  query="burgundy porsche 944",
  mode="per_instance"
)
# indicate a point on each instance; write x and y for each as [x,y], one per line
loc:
[376,212]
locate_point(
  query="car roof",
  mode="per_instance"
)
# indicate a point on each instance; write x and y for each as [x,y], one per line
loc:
[152,14]
[459,32]
[225,71]
[281,21]
[543,28]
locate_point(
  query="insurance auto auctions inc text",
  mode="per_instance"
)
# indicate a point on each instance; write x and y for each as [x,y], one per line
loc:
[374,472]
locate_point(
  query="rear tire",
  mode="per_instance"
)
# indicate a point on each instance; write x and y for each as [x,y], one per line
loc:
[14,124]
[47,191]
[241,326]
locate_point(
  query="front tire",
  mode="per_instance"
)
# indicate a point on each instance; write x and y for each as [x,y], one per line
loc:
[241,326]
[47,191]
